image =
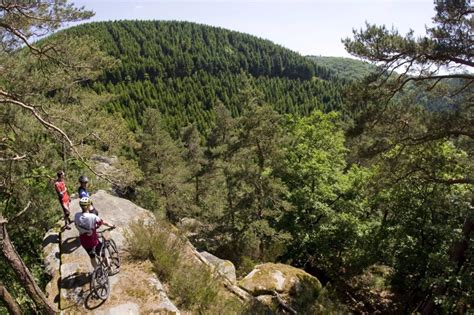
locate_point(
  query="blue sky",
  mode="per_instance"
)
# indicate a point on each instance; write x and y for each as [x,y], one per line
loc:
[310,27]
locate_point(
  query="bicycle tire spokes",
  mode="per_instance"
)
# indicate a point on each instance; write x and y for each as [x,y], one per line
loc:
[100,285]
[114,258]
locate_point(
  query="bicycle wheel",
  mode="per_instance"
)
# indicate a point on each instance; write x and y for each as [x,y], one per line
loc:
[114,258]
[100,285]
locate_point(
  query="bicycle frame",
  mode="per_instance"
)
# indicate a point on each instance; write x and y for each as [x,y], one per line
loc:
[100,285]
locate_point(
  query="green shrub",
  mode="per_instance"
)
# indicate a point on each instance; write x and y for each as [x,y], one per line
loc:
[246,265]
[326,303]
[166,255]
[158,243]
[139,239]
[192,286]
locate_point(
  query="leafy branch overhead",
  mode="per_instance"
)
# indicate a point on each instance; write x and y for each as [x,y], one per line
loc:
[435,70]
[260,154]
[43,100]
[46,78]
[447,45]
[415,120]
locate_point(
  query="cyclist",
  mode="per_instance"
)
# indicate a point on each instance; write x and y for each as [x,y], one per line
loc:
[87,224]
[83,192]
[63,196]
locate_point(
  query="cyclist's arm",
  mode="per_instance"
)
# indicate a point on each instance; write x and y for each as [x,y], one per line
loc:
[108,224]
[58,190]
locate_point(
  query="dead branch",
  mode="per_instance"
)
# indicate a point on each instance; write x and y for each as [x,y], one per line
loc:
[462,89]
[15,261]
[283,304]
[15,158]
[9,301]
[10,99]
[21,212]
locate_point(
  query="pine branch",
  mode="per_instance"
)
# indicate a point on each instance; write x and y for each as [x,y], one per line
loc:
[10,99]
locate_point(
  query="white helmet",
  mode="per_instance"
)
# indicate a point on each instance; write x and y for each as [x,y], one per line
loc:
[85,202]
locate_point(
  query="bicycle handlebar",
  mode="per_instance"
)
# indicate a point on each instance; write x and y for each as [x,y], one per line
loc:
[110,228]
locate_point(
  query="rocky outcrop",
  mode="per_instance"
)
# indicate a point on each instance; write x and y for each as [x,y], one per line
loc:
[137,290]
[104,159]
[190,226]
[52,261]
[279,285]
[134,290]
[225,267]
[105,164]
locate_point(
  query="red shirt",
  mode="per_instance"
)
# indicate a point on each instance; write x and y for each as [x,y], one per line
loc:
[60,187]
[87,224]
[89,241]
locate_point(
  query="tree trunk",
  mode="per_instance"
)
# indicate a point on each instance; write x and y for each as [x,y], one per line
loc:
[10,303]
[458,256]
[196,197]
[22,272]
[461,247]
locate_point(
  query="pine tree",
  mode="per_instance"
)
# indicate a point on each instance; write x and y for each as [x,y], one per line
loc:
[165,172]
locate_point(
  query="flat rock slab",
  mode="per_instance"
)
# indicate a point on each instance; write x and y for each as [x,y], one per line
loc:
[122,309]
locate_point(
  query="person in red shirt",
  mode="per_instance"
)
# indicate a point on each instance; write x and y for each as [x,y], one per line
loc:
[63,196]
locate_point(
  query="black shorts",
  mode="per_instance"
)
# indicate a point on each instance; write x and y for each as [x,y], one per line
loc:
[94,251]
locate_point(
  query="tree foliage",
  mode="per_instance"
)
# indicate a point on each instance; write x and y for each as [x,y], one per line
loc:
[185,69]
[414,120]
[44,114]
[239,133]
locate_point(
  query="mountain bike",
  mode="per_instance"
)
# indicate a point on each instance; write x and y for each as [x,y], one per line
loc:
[108,264]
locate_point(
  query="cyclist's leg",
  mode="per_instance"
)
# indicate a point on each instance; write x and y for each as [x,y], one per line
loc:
[114,257]
[92,255]
[101,247]
[66,213]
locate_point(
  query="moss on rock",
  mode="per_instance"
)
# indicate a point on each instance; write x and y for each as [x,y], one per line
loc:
[294,285]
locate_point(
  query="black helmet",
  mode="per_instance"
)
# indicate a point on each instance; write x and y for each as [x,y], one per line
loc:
[83,179]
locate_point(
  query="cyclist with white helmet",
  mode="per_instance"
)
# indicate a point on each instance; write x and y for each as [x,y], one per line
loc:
[87,224]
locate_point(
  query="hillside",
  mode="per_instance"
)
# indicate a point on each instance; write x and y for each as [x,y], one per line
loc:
[344,68]
[367,203]
[185,69]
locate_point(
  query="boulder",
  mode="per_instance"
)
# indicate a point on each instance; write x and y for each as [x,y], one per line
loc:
[122,309]
[105,165]
[190,225]
[292,286]
[104,159]
[224,267]
[165,305]
[51,254]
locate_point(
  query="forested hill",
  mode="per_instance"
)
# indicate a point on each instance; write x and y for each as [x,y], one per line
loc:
[344,68]
[184,69]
